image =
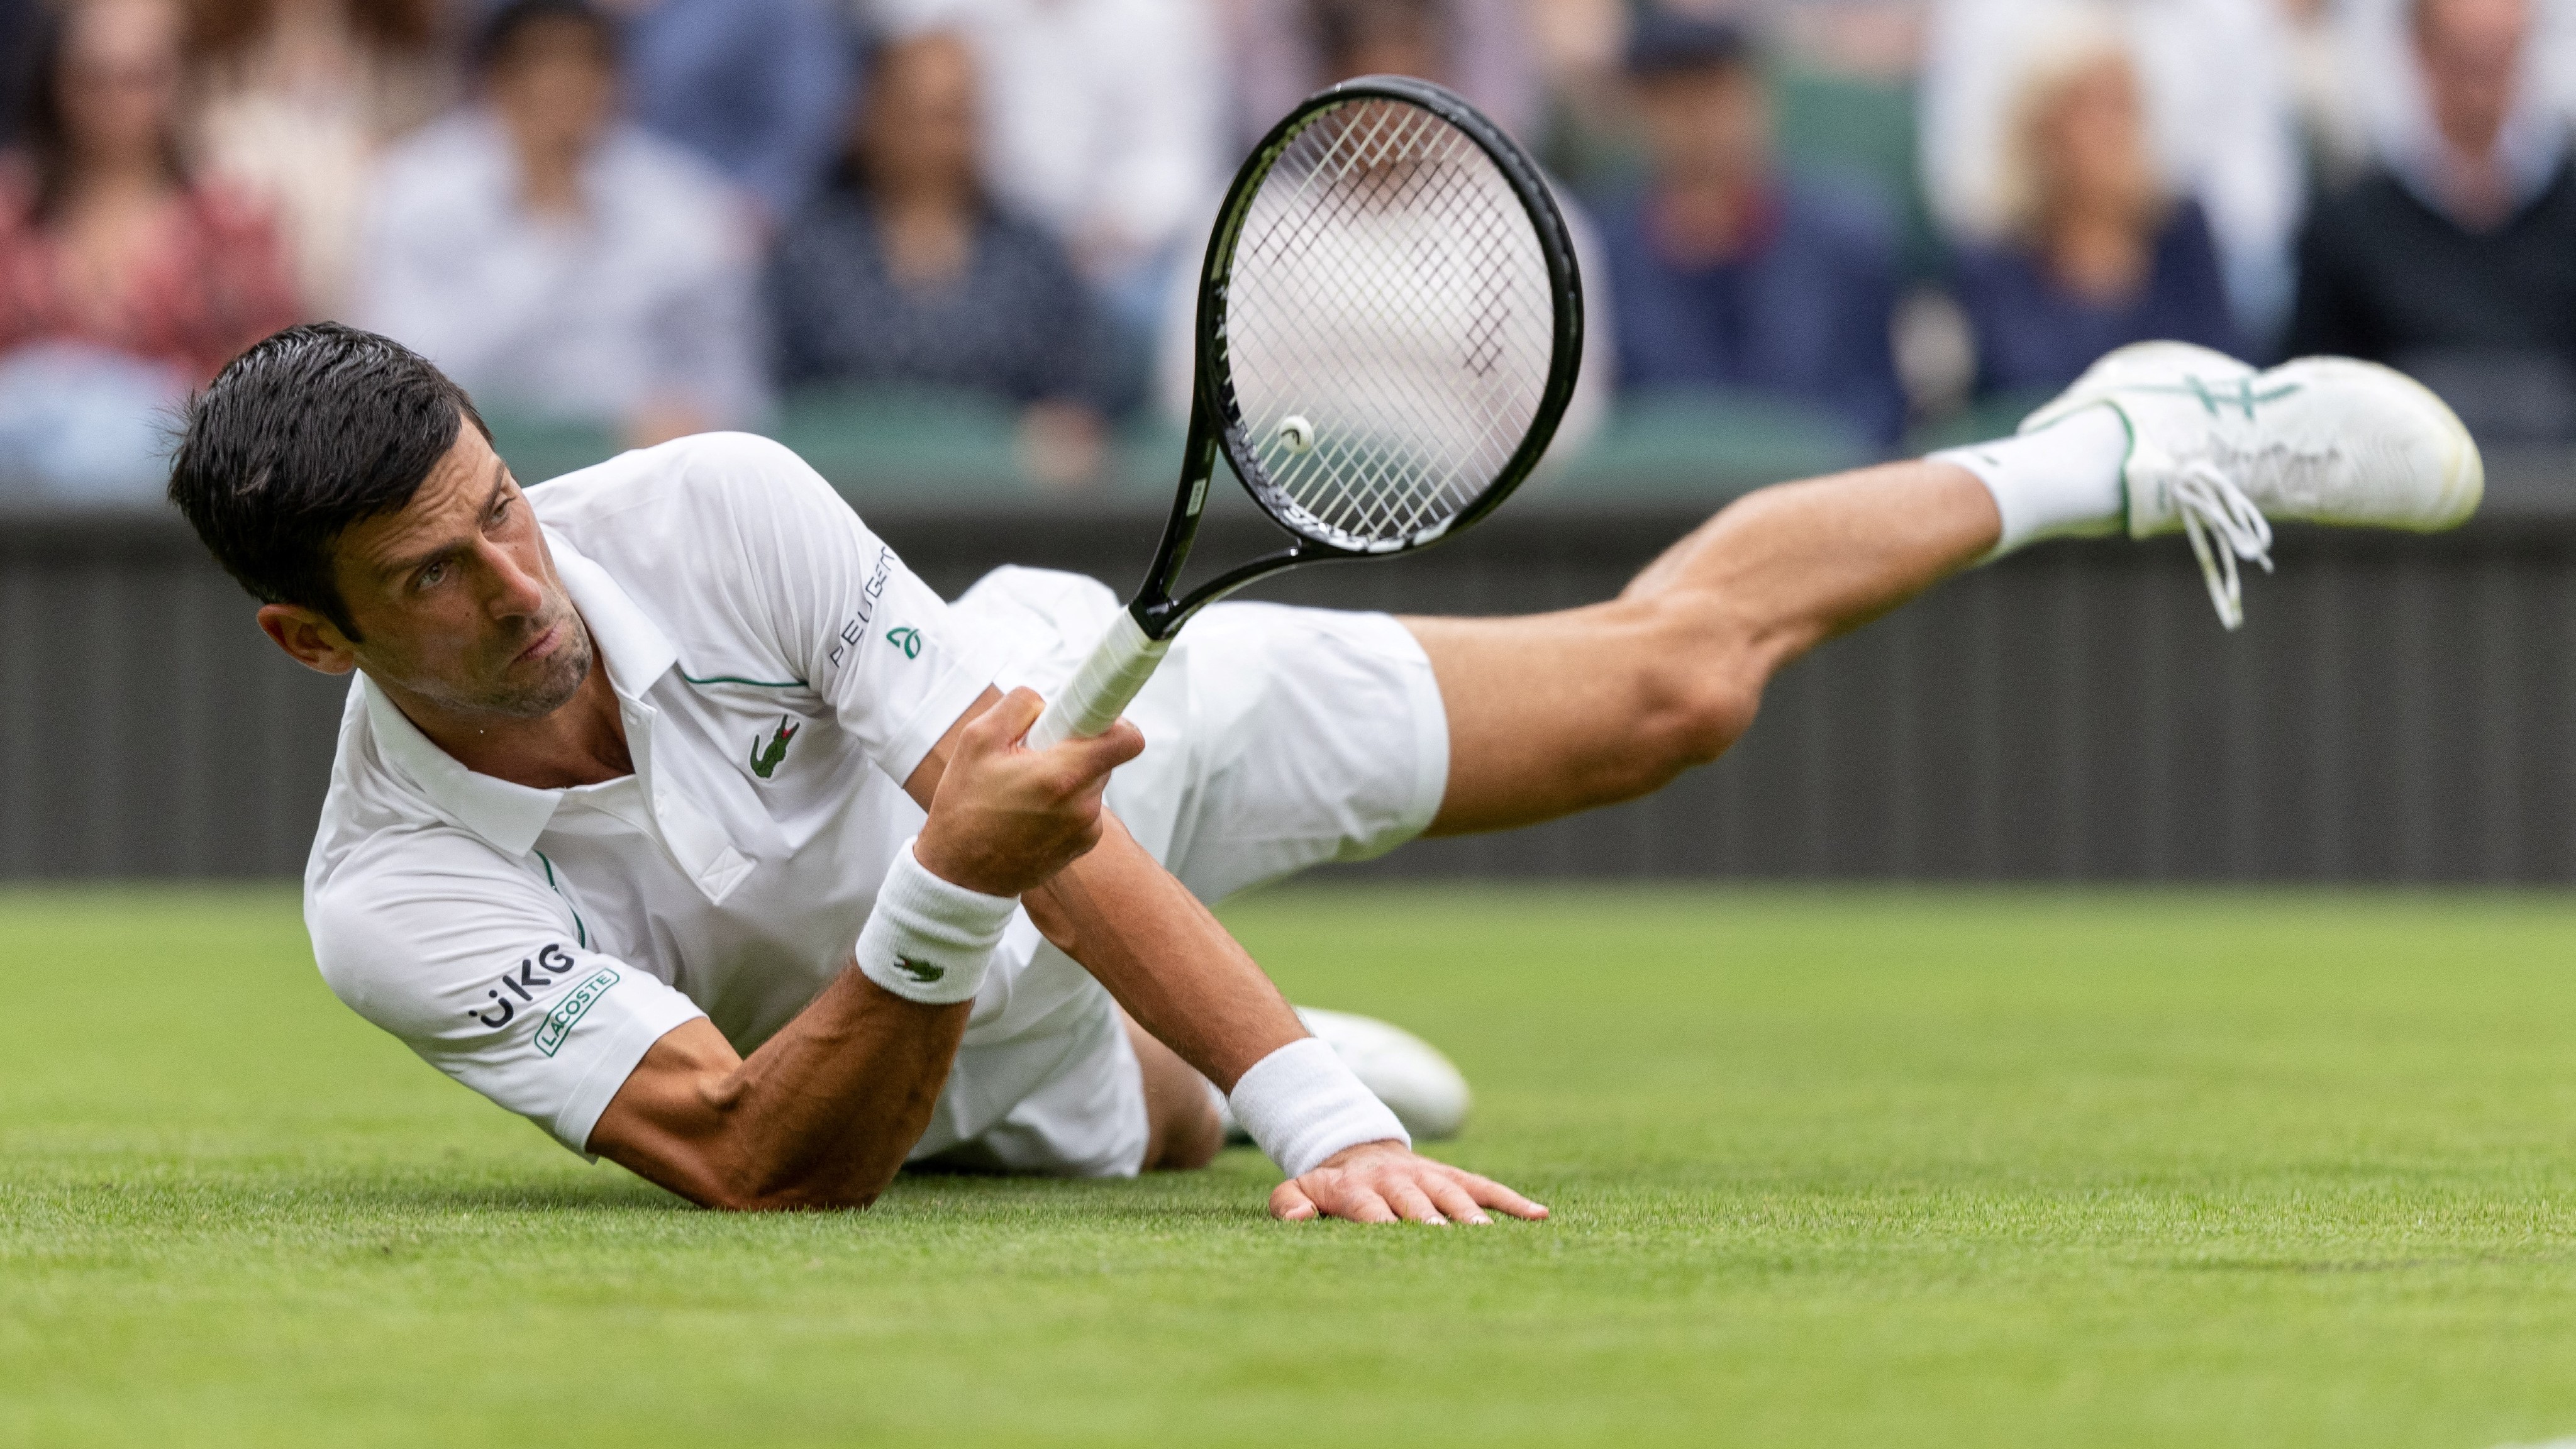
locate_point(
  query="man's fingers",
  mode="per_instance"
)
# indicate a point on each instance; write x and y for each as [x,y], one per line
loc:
[1492,1194]
[1289,1203]
[1007,722]
[1343,1195]
[1105,751]
[1413,1205]
[1407,1189]
[1453,1200]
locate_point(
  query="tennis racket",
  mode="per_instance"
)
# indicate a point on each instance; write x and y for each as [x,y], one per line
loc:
[1389,326]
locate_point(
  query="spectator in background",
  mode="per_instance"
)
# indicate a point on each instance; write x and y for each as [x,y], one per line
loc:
[22,22]
[301,98]
[1284,49]
[2220,122]
[754,88]
[903,273]
[124,278]
[561,263]
[2096,254]
[2455,259]
[1426,39]
[1731,277]
[106,237]
[2328,85]
[1102,120]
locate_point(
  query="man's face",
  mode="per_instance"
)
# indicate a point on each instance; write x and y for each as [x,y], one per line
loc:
[1710,126]
[1399,41]
[455,597]
[918,128]
[556,86]
[2471,53]
[2092,145]
[120,78]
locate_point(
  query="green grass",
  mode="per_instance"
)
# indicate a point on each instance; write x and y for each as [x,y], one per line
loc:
[1829,1168]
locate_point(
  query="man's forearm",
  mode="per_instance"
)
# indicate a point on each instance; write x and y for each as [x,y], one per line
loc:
[822,1115]
[1168,961]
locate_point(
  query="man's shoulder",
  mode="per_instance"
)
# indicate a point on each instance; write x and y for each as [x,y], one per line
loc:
[697,528]
[377,895]
[704,477]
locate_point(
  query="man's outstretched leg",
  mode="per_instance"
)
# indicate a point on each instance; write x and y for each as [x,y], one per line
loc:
[1555,713]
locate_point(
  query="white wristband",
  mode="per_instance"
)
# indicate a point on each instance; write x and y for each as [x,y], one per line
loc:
[1303,1105]
[929,940]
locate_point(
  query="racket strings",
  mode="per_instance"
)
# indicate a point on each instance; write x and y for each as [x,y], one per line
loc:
[1390,290]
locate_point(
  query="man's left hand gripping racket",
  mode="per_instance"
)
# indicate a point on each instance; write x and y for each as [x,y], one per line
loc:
[1389,326]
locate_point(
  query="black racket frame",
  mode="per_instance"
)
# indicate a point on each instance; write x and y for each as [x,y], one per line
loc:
[1216,421]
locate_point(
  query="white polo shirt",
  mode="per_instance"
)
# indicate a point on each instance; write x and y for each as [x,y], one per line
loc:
[779,672]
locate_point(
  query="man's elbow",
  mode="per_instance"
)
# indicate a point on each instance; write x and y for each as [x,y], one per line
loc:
[746,1192]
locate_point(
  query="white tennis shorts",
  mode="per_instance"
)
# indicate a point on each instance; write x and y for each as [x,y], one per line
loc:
[1276,738]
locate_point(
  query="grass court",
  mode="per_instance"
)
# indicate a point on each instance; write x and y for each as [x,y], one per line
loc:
[1917,1168]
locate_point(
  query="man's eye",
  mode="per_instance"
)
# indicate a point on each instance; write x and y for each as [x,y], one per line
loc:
[430,576]
[500,510]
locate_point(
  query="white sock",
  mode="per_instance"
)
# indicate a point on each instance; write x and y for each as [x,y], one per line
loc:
[2062,480]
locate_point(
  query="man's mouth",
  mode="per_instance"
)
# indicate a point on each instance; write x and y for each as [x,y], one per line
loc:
[540,646]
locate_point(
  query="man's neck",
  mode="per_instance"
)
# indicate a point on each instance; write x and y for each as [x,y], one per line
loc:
[583,742]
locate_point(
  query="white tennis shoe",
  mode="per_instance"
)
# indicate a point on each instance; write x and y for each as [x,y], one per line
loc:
[1420,1086]
[2217,450]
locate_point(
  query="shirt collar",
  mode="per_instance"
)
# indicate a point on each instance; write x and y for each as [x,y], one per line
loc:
[635,649]
[511,817]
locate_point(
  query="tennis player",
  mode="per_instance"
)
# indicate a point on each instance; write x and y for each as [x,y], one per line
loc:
[672,812]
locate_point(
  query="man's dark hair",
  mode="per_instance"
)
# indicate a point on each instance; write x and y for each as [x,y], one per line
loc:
[500,33]
[312,430]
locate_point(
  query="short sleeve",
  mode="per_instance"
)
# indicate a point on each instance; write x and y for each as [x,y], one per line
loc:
[489,976]
[884,651]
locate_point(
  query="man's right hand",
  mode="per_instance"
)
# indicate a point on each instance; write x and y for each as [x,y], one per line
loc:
[1005,818]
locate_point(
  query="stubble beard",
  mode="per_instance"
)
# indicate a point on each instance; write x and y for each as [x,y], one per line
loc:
[561,679]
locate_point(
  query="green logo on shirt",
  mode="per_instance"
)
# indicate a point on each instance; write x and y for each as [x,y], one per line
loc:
[907,640]
[569,1011]
[922,971]
[764,763]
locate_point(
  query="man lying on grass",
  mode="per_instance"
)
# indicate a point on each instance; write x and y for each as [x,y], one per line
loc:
[673,812]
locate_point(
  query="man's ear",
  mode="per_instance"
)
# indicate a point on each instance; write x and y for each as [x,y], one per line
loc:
[308,638]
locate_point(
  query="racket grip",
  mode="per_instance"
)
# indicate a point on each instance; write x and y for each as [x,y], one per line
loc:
[1100,691]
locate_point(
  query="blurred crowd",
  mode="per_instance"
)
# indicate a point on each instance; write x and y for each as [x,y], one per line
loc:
[1880,218]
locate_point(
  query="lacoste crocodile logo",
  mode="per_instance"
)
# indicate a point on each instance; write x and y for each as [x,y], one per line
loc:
[921,971]
[764,763]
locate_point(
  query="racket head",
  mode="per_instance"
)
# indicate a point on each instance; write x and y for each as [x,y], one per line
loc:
[1390,318]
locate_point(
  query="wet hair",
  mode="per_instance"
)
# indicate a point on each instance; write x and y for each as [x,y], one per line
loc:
[499,35]
[312,430]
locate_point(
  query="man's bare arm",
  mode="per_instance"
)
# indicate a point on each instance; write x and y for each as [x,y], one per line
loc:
[1185,978]
[823,1113]
[821,1116]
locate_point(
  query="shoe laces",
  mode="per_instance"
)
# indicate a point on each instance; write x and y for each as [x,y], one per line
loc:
[2224,526]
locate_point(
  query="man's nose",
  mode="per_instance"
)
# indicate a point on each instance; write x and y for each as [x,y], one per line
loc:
[516,590]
